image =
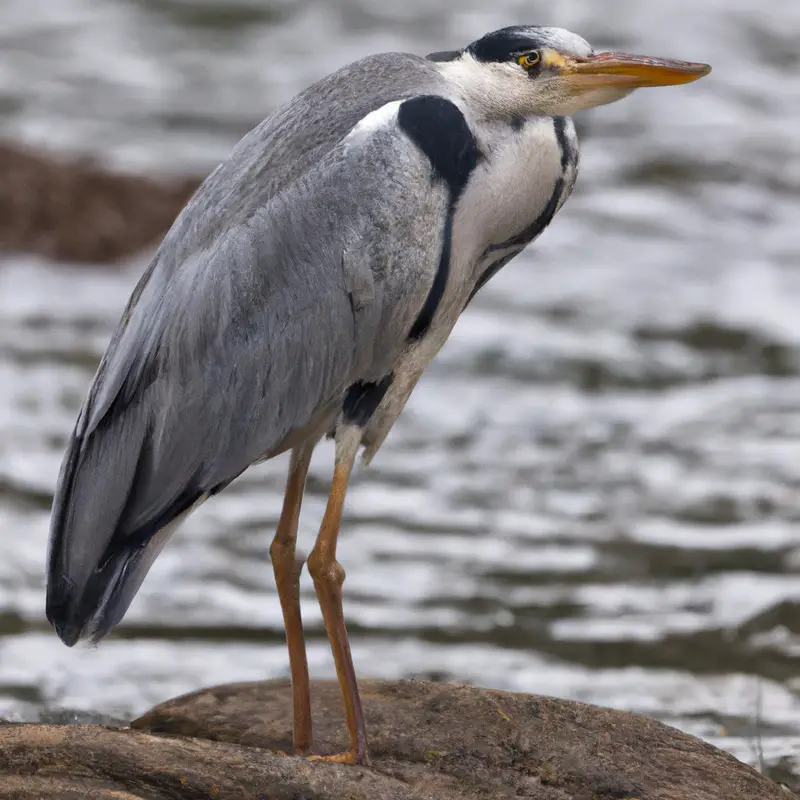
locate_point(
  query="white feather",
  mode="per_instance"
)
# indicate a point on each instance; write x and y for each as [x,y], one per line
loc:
[382,118]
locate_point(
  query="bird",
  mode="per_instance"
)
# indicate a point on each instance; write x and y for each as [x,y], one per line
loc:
[301,293]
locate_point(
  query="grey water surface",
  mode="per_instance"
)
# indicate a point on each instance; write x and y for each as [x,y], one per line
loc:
[595,490]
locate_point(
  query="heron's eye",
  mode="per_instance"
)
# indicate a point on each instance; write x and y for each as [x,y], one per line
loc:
[529,59]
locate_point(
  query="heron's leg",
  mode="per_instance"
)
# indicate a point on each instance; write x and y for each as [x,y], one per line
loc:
[328,576]
[288,564]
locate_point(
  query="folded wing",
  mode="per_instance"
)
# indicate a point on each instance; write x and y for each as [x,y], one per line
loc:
[249,323]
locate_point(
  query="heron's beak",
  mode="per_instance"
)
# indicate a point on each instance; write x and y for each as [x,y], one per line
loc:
[632,72]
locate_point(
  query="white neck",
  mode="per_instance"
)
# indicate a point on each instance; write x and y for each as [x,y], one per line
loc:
[485,88]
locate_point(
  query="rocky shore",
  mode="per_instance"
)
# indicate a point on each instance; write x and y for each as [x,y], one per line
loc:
[429,741]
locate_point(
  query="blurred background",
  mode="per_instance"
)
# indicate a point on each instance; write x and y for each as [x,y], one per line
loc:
[593,493]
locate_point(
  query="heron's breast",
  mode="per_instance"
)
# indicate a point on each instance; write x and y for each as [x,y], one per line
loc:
[511,199]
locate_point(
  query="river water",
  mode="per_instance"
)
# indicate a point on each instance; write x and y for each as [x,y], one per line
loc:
[593,493]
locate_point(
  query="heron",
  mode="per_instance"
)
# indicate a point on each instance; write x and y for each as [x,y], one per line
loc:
[302,292]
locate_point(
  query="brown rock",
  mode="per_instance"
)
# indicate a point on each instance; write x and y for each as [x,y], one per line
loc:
[428,742]
[80,212]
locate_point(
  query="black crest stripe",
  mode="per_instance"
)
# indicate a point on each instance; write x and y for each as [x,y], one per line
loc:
[438,128]
[502,45]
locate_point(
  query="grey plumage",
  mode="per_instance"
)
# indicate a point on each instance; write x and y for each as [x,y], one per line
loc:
[268,297]
[304,289]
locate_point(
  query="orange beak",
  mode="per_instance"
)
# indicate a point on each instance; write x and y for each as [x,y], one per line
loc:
[634,72]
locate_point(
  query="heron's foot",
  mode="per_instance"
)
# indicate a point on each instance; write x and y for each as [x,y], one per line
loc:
[350,757]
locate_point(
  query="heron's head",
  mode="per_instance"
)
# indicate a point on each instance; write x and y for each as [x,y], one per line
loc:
[532,70]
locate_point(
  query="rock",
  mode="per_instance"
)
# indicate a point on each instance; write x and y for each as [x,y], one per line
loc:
[78,211]
[428,742]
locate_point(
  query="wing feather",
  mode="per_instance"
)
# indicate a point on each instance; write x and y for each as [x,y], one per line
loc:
[235,339]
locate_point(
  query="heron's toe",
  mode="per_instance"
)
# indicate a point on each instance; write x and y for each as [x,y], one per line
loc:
[350,757]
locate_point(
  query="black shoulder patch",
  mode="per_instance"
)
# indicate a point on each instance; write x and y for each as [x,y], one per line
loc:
[439,129]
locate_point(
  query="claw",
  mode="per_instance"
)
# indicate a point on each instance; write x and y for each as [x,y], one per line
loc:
[342,758]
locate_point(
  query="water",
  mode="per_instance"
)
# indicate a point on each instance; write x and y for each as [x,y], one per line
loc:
[594,491]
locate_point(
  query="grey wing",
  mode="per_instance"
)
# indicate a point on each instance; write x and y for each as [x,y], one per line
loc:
[226,350]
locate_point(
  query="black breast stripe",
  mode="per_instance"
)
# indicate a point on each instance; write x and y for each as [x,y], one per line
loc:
[528,234]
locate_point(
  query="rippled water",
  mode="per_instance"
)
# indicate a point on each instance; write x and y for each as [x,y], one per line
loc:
[594,491]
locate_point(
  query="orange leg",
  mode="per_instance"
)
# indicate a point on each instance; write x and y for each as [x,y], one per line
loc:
[287,565]
[328,576]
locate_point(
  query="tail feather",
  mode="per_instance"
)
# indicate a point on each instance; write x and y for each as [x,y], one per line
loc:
[110,507]
[93,489]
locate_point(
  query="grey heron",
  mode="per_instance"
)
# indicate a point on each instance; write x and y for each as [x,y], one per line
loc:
[301,292]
